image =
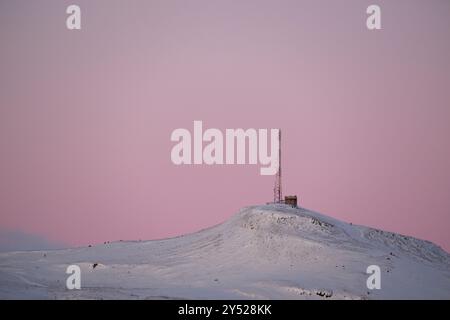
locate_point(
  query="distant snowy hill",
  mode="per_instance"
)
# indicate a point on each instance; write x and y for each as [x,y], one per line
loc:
[263,252]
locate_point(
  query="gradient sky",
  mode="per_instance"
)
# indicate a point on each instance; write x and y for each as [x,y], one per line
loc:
[86,116]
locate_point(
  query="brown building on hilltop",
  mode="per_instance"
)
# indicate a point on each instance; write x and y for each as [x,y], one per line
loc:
[291,201]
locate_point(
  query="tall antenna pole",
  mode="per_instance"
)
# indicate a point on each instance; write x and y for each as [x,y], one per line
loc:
[277,194]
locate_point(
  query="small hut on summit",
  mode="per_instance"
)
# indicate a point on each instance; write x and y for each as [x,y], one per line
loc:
[291,201]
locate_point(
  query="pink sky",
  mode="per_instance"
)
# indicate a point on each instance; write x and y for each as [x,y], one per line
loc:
[86,116]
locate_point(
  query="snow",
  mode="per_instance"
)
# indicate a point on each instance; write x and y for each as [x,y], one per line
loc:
[262,252]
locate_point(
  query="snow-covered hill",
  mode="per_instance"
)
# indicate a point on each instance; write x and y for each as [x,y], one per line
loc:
[263,252]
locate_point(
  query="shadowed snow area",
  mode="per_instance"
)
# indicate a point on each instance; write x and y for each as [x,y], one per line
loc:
[263,252]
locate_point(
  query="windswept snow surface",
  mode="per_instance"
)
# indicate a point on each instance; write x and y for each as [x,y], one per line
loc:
[263,252]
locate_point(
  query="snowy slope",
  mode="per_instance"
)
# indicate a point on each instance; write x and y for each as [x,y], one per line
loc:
[263,252]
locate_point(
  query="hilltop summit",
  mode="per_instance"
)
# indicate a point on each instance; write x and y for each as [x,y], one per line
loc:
[262,252]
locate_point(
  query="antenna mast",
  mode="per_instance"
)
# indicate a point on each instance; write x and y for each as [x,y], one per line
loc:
[277,194]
